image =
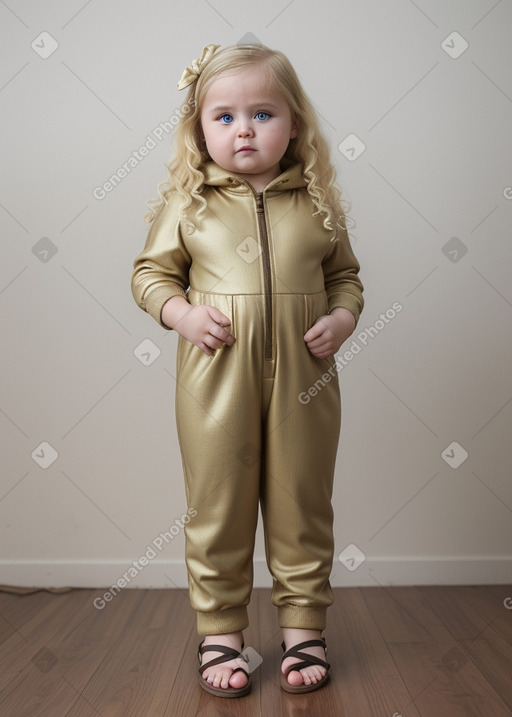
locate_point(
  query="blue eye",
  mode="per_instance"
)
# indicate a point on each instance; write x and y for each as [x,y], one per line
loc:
[262,113]
[226,115]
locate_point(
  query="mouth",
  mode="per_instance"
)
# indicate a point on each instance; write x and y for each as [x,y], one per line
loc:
[246,148]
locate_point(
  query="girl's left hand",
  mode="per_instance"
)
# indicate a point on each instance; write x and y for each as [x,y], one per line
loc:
[329,332]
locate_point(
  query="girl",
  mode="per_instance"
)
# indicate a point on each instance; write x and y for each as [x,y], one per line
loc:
[248,259]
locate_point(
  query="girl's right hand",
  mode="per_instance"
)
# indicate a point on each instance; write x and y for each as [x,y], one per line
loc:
[204,326]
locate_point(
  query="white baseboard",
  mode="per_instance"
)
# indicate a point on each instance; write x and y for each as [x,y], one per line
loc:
[425,571]
[172,574]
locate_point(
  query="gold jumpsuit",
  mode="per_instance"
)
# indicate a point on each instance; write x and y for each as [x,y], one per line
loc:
[259,421]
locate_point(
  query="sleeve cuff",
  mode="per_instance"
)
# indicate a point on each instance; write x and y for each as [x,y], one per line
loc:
[346,301]
[157,298]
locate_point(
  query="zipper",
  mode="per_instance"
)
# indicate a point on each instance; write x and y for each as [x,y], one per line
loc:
[267,276]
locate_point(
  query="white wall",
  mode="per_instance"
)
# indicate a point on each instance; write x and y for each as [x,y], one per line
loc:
[437,165]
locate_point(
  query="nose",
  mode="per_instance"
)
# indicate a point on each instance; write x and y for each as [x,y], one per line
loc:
[245,128]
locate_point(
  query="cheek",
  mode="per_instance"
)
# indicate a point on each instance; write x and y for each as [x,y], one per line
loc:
[279,135]
[280,141]
[217,135]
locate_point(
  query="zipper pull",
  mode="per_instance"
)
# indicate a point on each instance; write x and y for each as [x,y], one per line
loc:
[259,201]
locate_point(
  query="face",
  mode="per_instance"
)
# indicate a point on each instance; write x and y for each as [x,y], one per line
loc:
[240,111]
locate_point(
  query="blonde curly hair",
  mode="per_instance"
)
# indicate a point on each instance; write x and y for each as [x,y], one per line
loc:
[309,147]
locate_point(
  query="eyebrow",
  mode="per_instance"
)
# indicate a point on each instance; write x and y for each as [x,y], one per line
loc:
[223,108]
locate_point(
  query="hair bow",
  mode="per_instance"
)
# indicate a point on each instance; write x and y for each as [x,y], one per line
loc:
[192,72]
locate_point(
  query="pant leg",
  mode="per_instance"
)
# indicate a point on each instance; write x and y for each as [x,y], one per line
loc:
[218,415]
[301,434]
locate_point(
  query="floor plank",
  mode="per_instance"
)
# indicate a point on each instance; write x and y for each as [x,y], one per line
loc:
[443,680]
[409,651]
[403,615]
[61,649]
[366,677]
[502,594]
[493,656]
[465,611]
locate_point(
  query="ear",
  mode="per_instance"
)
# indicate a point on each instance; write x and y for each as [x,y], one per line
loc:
[295,127]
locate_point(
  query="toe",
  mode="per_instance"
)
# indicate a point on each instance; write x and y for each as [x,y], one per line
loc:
[306,677]
[224,678]
[239,679]
[310,675]
[295,678]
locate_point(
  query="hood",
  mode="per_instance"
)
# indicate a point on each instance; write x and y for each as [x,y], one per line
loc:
[291,177]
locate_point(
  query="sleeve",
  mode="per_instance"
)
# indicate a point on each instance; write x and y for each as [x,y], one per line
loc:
[161,269]
[342,283]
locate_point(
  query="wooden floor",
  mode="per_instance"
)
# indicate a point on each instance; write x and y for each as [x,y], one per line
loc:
[426,651]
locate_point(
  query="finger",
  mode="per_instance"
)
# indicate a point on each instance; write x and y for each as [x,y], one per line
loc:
[218,316]
[314,332]
[213,342]
[221,334]
[317,343]
[322,351]
[205,349]
[322,354]
[324,339]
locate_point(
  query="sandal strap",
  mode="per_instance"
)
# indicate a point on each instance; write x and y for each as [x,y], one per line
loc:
[218,648]
[301,645]
[240,669]
[306,663]
[229,653]
[307,660]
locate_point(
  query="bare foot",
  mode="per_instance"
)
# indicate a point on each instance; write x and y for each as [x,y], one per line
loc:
[308,675]
[222,675]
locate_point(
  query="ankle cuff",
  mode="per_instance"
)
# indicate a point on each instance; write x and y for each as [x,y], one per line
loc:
[308,618]
[233,619]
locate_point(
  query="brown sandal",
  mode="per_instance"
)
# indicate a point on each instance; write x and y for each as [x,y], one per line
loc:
[230,654]
[306,661]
